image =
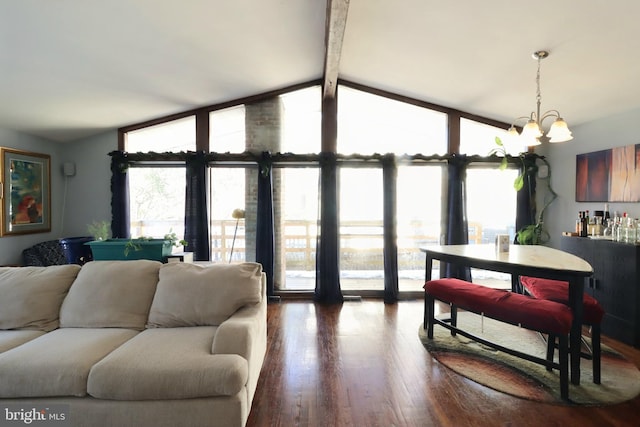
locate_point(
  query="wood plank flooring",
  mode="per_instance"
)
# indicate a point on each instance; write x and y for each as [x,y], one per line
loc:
[362,364]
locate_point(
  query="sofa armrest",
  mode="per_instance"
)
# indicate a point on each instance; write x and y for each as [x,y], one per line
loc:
[245,329]
[245,334]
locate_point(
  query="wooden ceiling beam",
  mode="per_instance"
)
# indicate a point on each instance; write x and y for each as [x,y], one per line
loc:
[334,34]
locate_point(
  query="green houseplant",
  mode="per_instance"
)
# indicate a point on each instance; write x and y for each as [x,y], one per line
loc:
[99,230]
[533,234]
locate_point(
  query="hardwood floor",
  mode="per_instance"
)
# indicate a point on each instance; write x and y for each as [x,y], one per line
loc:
[362,364]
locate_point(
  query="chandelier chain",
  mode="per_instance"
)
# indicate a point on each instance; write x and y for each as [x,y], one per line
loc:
[538,94]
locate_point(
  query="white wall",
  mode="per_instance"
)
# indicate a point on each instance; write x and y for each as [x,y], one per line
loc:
[88,195]
[615,131]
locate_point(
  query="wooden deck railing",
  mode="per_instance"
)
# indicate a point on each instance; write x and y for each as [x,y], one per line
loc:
[361,242]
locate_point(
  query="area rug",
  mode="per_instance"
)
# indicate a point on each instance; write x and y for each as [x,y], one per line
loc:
[508,374]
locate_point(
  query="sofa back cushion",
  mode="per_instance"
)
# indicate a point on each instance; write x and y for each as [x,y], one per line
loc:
[193,295]
[30,297]
[111,294]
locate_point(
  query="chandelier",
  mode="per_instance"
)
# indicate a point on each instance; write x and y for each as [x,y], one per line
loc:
[532,131]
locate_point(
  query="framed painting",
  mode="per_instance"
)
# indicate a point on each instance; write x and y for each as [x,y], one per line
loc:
[611,175]
[25,192]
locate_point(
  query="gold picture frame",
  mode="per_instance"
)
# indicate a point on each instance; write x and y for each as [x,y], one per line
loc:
[25,192]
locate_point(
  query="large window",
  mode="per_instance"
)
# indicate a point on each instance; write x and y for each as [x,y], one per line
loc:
[491,198]
[156,199]
[361,233]
[301,117]
[227,130]
[157,194]
[290,124]
[369,124]
[479,138]
[228,189]
[418,211]
[296,219]
[173,136]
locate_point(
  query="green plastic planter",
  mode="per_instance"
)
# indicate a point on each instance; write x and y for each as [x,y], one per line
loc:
[115,249]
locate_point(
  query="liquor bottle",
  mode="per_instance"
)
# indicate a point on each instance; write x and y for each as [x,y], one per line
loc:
[606,215]
[584,225]
[579,223]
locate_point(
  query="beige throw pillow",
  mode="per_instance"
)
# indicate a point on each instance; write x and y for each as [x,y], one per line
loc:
[193,295]
[111,294]
[30,297]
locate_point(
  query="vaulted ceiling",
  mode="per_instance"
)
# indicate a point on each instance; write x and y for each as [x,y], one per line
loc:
[73,68]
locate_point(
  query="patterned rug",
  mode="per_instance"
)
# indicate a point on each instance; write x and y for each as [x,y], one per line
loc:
[521,378]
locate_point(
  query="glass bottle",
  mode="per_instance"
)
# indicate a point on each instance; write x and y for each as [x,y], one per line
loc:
[608,230]
[620,235]
[616,228]
[630,231]
[596,229]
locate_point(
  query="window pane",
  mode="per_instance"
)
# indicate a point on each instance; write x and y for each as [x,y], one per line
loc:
[227,130]
[361,238]
[156,198]
[418,221]
[479,138]
[230,189]
[491,212]
[174,136]
[369,124]
[296,227]
[301,121]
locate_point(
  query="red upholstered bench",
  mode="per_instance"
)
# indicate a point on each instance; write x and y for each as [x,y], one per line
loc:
[540,315]
[558,291]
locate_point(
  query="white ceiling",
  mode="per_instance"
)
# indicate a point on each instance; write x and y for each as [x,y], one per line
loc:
[73,68]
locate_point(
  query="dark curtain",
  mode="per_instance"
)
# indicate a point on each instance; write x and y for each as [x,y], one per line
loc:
[526,196]
[119,195]
[327,250]
[265,242]
[457,229]
[196,221]
[390,254]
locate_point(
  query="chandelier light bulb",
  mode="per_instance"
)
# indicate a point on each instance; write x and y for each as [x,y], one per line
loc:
[531,130]
[559,131]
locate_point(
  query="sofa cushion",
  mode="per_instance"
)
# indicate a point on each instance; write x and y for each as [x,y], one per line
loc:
[111,294]
[14,338]
[168,363]
[31,296]
[57,363]
[193,295]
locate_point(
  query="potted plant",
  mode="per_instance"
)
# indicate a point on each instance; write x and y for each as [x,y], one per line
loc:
[138,248]
[533,234]
[99,230]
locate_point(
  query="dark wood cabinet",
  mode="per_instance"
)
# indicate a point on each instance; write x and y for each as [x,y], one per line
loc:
[615,283]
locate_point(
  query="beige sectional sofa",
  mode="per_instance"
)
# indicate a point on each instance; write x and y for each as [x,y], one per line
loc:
[132,343]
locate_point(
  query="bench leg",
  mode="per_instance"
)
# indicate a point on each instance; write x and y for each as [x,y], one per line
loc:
[595,352]
[454,318]
[564,366]
[551,346]
[429,314]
